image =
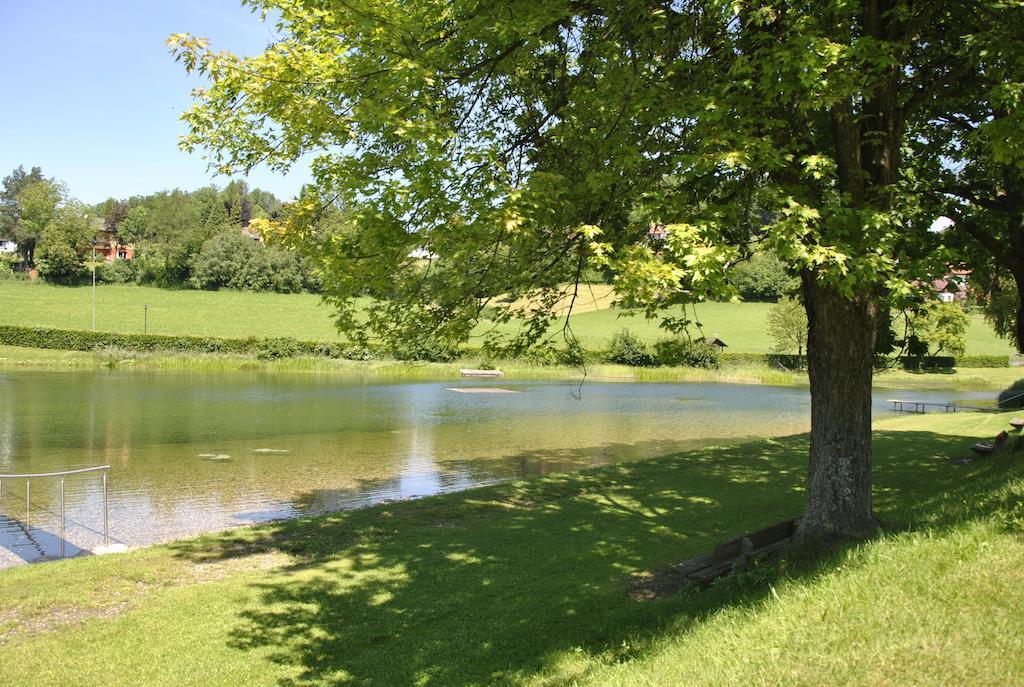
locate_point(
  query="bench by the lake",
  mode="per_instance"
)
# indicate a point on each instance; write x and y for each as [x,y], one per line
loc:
[482,373]
[735,554]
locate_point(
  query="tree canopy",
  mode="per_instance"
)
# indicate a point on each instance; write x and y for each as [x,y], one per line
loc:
[516,142]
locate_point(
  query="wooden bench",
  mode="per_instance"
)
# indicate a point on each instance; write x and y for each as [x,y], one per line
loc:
[735,554]
[983,448]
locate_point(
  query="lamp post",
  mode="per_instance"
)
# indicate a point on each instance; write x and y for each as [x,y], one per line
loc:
[94,284]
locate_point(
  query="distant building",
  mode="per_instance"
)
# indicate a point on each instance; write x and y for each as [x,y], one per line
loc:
[657,232]
[953,287]
[715,342]
[108,245]
[8,246]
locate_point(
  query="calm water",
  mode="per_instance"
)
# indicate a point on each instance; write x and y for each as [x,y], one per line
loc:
[191,453]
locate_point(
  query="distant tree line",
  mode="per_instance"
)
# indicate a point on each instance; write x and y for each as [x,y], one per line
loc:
[204,239]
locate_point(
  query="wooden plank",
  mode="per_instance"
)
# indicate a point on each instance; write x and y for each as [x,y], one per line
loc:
[481,373]
[739,551]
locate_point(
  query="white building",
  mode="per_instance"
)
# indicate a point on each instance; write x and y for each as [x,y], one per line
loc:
[8,246]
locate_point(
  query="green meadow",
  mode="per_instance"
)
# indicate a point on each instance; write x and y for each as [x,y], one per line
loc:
[304,316]
[547,582]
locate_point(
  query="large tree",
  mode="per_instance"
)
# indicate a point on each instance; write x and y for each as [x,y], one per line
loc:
[515,141]
[973,138]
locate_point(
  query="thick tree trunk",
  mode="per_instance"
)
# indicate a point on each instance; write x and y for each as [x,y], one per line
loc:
[840,348]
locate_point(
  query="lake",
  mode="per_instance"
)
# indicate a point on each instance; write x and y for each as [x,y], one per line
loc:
[191,453]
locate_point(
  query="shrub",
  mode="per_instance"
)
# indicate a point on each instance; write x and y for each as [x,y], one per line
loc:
[572,355]
[234,261]
[116,272]
[1013,395]
[762,278]
[626,348]
[430,351]
[929,362]
[681,351]
[272,349]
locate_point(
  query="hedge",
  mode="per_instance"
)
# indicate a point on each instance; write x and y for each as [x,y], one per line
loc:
[927,363]
[790,362]
[81,340]
[983,361]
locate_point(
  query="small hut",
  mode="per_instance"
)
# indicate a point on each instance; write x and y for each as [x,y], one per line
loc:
[716,343]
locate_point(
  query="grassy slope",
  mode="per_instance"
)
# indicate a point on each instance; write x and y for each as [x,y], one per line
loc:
[303,316]
[526,583]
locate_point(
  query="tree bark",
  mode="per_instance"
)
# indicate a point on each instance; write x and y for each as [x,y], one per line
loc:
[840,349]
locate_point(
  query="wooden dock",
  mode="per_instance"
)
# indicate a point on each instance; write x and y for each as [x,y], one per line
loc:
[904,406]
[482,373]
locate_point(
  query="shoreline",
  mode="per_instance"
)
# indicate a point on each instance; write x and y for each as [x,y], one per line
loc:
[20,358]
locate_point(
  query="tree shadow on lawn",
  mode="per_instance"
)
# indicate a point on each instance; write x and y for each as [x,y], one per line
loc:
[497,584]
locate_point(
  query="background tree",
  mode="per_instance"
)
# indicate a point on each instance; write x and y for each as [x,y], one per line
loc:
[64,244]
[13,184]
[37,204]
[763,278]
[113,212]
[516,141]
[940,329]
[973,142]
[787,326]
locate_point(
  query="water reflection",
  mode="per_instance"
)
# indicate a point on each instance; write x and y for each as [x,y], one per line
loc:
[192,453]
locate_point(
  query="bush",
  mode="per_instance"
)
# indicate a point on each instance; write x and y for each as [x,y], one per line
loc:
[231,260]
[685,352]
[116,272]
[929,362]
[1013,395]
[272,349]
[762,278]
[626,348]
[430,351]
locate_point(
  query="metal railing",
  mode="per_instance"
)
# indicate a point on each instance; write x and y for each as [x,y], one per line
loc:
[28,477]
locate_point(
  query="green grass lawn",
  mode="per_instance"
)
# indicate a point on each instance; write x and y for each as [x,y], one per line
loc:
[528,583]
[303,316]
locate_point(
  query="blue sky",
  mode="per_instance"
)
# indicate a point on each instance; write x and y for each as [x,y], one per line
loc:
[91,94]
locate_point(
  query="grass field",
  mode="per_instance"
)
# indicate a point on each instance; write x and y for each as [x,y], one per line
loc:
[303,316]
[529,583]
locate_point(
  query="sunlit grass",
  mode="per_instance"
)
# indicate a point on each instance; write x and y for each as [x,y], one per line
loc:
[527,583]
[304,316]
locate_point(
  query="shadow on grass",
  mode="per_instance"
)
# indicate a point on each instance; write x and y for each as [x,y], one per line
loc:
[497,584]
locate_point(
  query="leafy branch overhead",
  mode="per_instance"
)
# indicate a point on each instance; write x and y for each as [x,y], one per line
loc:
[516,141]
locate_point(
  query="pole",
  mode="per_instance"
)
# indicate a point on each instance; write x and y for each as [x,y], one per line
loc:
[106,537]
[62,517]
[28,505]
[94,285]
[145,318]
